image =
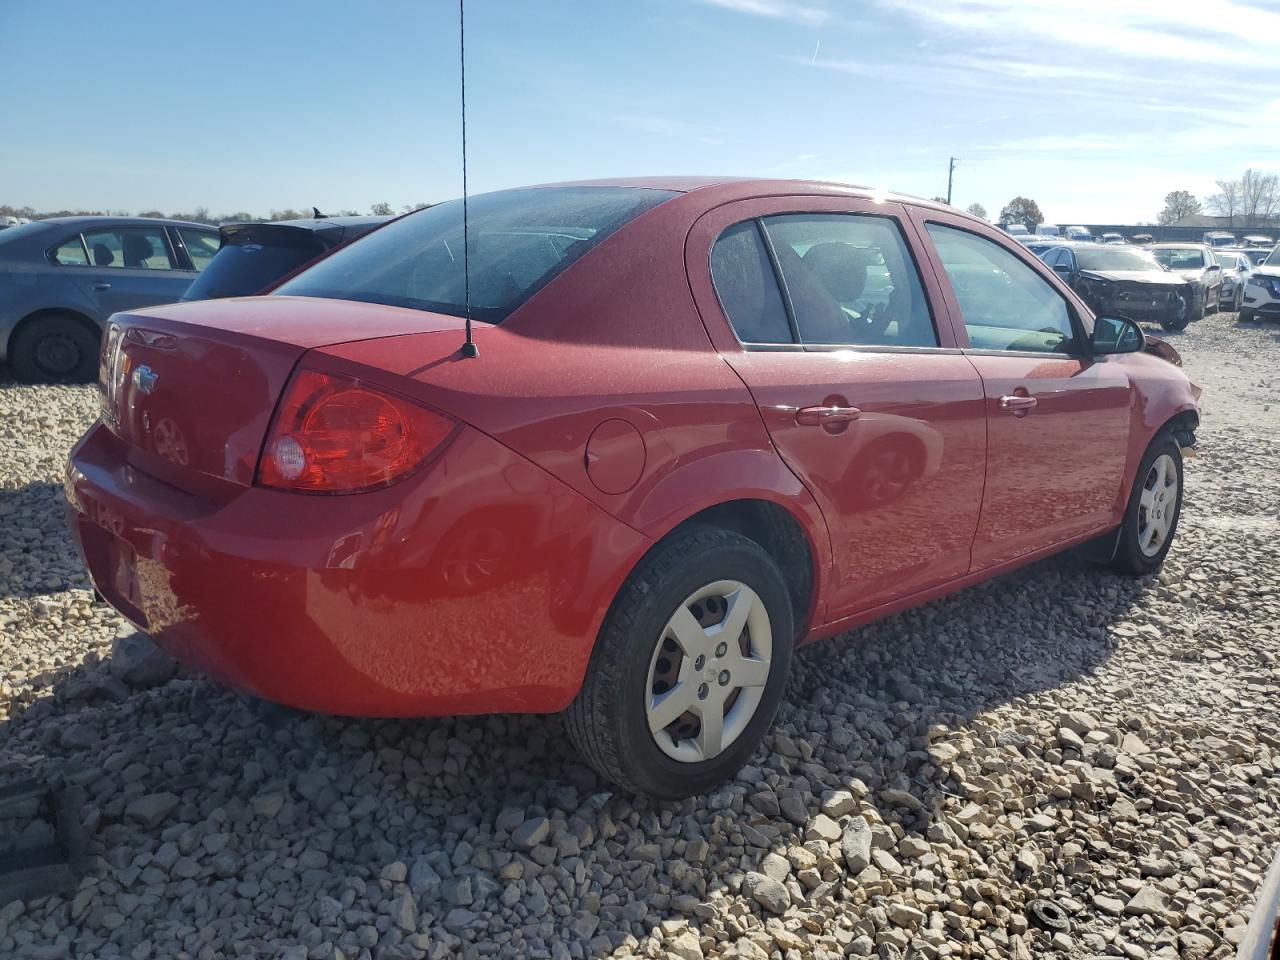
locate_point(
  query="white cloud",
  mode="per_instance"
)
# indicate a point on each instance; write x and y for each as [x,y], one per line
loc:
[1224,32]
[776,9]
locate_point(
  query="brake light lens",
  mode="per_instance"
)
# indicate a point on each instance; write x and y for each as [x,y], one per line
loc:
[335,434]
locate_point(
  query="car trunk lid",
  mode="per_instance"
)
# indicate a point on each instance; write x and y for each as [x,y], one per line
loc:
[189,390]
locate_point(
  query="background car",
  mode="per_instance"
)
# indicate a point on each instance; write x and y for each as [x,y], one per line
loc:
[1113,238]
[1195,263]
[253,256]
[60,279]
[1262,290]
[1219,238]
[1123,281]
[1078,233]
[1258,240]
[1236,267]
[662,401]
[1258,254]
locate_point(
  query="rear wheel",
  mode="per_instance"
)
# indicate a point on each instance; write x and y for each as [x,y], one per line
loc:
[1155,504]
[1179,324]
[689,667]
[55,348]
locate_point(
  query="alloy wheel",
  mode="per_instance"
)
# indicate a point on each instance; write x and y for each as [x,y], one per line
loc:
[708,671]
[1158,504]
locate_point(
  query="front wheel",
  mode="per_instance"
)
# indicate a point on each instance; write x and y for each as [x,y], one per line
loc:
[689,667]
[1174,325]
[1155,504]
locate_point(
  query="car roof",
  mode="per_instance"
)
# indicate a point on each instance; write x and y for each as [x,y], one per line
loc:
[105,221]
[1174,243]
[734,188]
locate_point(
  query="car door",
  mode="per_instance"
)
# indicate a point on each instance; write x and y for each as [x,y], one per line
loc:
[129,267]
[820,308]
[1058,419]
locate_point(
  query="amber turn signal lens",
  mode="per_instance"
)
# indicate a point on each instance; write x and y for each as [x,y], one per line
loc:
[335,434]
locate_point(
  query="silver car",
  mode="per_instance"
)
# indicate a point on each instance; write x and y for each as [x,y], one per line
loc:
[60,279]
[1236,267]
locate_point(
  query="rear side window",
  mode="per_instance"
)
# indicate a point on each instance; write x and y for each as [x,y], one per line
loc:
[72,253]
[745,283]
[135,248]
[851,280]
[1005,304]
[519,241]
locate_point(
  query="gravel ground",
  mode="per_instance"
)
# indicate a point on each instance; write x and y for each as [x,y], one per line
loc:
[1062,734]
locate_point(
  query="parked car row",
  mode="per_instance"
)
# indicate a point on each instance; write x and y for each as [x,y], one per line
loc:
[61,278]
[1169,283]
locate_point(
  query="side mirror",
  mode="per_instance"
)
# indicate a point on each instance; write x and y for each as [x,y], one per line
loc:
[1214,266]
[1117,335]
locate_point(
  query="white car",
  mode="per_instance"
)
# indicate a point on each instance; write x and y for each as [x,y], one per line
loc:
[1262,291]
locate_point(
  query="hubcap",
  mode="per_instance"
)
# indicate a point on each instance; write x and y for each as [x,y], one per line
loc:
[1157,505]
[708,672]
[57,354]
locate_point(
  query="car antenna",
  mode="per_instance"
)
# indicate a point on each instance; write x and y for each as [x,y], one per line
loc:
[317,215]
[469,348]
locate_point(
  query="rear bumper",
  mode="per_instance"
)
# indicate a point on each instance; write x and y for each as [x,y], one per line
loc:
[475,586]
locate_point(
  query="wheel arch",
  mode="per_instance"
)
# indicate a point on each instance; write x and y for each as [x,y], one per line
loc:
[781,533]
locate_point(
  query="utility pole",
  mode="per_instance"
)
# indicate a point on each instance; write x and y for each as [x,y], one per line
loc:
[950,173]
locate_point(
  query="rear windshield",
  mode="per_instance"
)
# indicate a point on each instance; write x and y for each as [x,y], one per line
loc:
[1180,258]
[243,269]
[519,240]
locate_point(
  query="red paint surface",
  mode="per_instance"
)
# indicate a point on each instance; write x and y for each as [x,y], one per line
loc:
[612,406]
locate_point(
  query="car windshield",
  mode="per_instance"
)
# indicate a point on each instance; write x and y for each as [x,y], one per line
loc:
[518,239]
[1180,258]
[1114,258]
[1273,258]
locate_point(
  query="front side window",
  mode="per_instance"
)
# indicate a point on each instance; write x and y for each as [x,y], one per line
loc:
[201,245]
[746,285]
[133,248]
[1005,304]
[519,240]
[71,253]
[851,280]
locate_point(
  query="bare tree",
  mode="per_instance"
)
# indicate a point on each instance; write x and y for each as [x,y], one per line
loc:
[381,210]
[1178,204]
[1226,202]
[977,209]
[1259,196]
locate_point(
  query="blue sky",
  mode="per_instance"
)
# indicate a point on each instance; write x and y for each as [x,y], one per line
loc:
[1095,108]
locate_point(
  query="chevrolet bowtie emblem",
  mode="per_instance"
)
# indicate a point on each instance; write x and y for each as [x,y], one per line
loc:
[144,378]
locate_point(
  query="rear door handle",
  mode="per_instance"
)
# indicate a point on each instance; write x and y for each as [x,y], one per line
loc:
[822,416]
[1016,404]
[102,285]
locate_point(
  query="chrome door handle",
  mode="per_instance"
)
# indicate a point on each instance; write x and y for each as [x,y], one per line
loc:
[1018,404]
[102,285]
[821,416]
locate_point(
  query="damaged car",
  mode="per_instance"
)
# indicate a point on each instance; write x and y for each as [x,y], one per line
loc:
[1195,263]
[1125,281]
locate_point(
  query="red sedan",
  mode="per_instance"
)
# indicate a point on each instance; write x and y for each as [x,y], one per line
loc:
[709,420]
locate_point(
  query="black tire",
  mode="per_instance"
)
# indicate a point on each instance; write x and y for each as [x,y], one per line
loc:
[1197,311]
[1174,325]
[607,720]
[1129,557]
[1246,316]
[55,348]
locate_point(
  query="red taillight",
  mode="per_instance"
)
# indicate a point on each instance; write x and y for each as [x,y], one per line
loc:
[334,434]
